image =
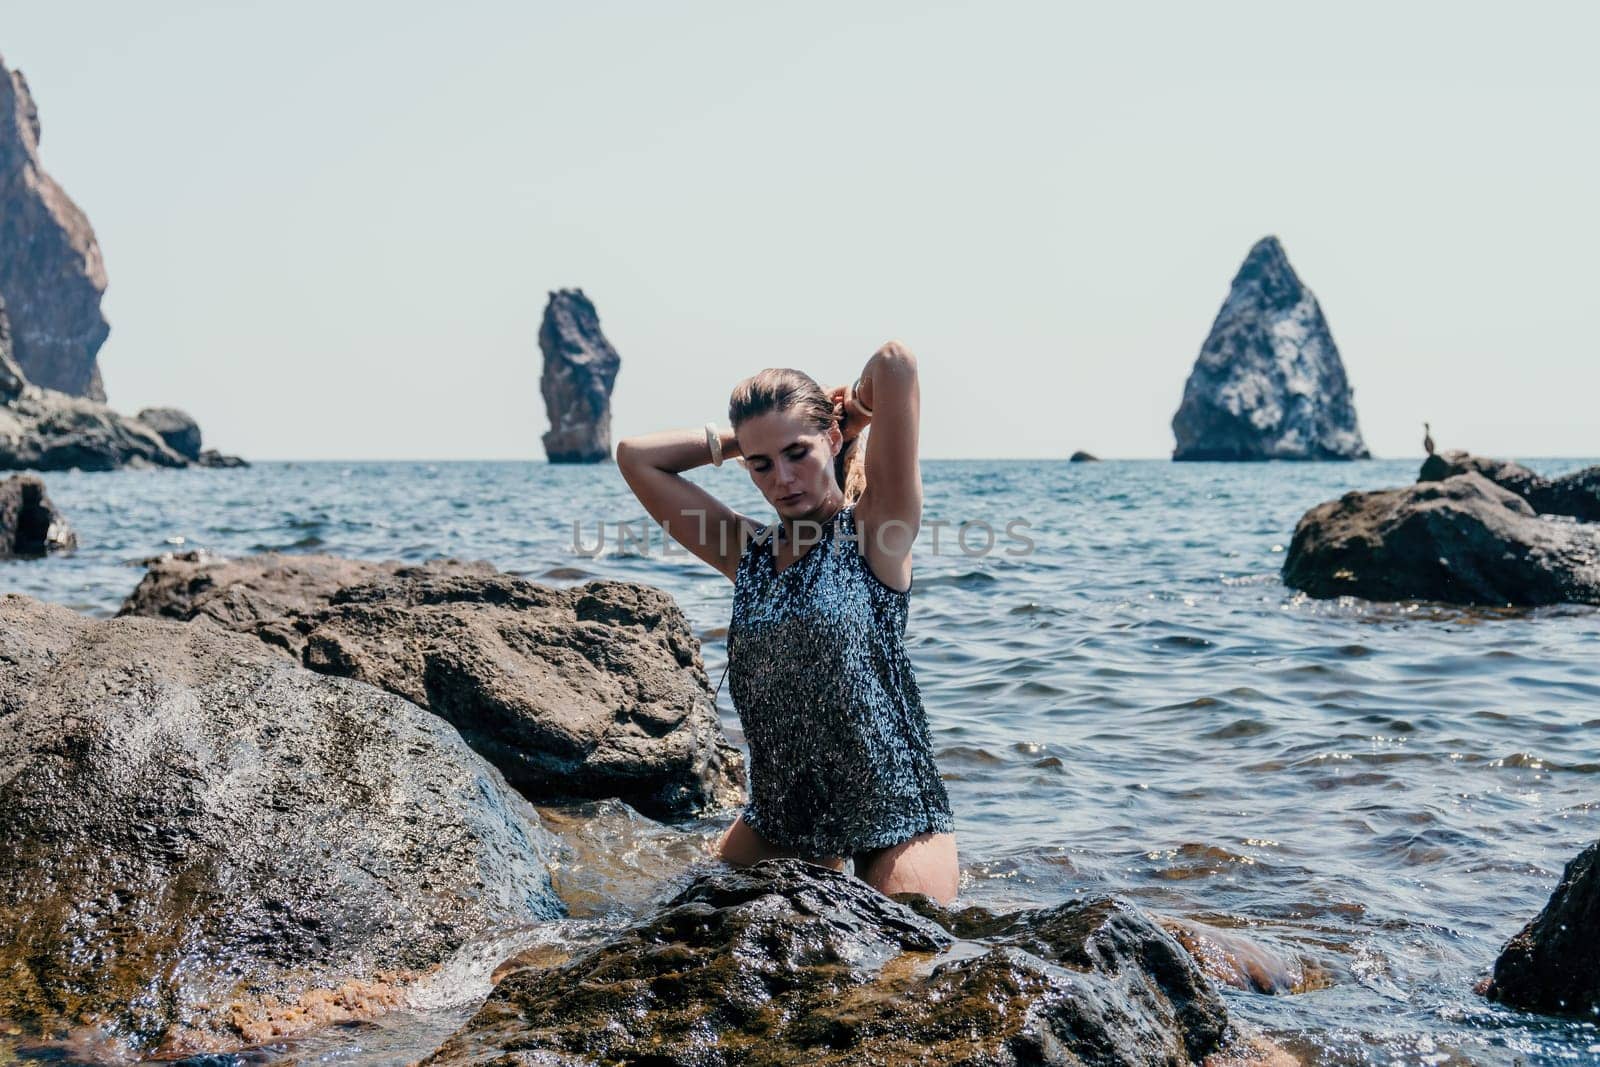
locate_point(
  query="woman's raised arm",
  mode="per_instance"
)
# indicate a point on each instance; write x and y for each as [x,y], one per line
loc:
[890,509]
[652,465]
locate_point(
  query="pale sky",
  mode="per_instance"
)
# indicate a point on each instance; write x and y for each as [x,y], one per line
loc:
[330,228]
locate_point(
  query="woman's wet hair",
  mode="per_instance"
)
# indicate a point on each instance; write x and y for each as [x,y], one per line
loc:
[786,390]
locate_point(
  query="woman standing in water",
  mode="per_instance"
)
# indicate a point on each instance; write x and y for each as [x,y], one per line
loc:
[841,762]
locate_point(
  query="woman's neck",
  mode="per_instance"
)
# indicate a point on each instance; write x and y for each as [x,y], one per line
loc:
[818,516]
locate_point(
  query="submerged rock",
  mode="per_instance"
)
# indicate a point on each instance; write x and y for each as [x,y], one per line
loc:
[580,367]
[1243,963]
[1463,540]
[30,525]
[1551,965]
[1269,383]
[1576,494]
[51,273]
[590,692]
[787,962]
[203,845]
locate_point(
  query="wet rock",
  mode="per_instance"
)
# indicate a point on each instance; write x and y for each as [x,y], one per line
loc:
[1463,540]
[176,427]
[1084,457]
[1241,962]
[204,846]
[787,962]
[30,525]
[580,367]
[1551,965]
[1269,383]
[596,691]
[51,273]
[1576,494]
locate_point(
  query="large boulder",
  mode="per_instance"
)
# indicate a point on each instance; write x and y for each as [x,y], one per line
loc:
[580,367]
[203,845]
[30,525]
[1552,965]
[788,962]
[1463,540]
[589,692]
[51,273]
[1576,494]
[1269,383]
[176,427]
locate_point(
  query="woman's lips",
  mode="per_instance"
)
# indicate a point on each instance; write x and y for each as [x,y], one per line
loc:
[791,498]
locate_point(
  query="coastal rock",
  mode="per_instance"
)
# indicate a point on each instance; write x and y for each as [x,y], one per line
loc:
[580,367]
[1463,540]
[30,525]
[1234,960]
[210,457]
[182,434]
[203,845]
[590,692]
[1551,965]
[1269,383]
[1084,457]
[177,428]
[1576,494]
[788,962]
[12,380]
[51,273]
[46,430]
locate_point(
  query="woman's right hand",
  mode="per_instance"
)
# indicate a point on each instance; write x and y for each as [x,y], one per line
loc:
[852,419]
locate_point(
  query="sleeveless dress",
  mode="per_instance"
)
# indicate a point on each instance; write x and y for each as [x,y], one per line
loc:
[840,756]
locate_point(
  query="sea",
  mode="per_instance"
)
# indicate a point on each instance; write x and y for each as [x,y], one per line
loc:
[1124,697]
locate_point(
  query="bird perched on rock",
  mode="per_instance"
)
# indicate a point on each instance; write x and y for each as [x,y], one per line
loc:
[1427,439]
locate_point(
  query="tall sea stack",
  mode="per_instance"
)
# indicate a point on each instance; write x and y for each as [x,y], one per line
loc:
[580,367]
[1269,383]
[51,275]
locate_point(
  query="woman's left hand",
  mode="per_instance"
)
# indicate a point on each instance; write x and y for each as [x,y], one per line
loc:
[852,420]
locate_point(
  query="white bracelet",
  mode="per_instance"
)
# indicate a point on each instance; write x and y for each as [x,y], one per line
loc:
[855,392]
[714,442]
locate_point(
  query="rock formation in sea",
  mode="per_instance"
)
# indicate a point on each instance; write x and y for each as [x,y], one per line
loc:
[789,962]
[586,692]
[1576,494]
[204,845]
[580,367]
[1463,540]
[1552,965]
[51,274]
[42,429]
[182,434]
[1084,457]
[1269,383]
[30,525]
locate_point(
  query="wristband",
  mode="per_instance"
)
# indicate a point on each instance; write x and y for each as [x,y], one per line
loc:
[714,442]
[855,391]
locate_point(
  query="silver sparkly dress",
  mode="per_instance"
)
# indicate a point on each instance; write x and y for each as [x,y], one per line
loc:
[840,755]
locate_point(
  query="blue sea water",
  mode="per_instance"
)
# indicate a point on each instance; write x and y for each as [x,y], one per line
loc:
[1124,698]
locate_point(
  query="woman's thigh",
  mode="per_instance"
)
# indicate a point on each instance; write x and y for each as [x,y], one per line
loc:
[741,846]
[925,864]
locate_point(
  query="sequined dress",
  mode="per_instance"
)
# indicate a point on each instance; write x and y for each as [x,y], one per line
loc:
[840,755]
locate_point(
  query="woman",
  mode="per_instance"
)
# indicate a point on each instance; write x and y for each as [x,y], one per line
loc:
[841,763]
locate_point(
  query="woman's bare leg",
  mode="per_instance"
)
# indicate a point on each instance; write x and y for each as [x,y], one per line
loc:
[741,846]
[924,864]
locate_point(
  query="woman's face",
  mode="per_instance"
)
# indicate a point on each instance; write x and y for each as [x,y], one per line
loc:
[790,461]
